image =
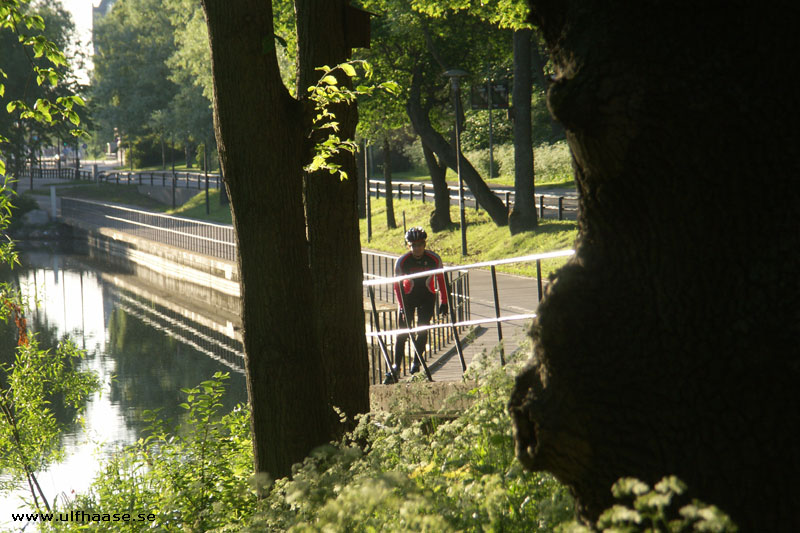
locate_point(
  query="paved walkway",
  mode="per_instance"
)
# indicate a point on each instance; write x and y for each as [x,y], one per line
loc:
[517,295]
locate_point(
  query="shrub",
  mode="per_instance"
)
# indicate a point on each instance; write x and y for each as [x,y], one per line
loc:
[459,475]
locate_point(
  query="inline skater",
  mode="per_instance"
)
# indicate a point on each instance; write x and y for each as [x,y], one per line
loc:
[417,295]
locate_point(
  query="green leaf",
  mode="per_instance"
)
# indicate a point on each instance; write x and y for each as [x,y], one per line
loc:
[330,80]
[348,69]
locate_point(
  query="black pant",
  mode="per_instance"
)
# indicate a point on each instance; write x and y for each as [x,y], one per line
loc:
[424,312]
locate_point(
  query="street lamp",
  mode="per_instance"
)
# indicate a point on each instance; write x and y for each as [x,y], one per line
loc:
[455,76]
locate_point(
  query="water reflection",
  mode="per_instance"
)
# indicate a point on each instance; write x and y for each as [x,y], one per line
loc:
[144,347]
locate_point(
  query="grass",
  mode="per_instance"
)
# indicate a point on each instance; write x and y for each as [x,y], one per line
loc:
[485,240]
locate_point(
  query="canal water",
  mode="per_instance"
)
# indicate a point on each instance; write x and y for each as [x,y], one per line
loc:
[144,345]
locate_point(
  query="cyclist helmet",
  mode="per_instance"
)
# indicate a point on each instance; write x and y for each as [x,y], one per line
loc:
[416,234]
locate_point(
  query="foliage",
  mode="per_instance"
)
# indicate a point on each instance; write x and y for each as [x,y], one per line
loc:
[37,381]
[37,87]
[552,163]
[390,474]
[659,509]
[195,480]
[504,13]
[325,94]
[427,475]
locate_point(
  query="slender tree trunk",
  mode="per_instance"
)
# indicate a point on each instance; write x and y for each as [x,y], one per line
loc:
[445,152]
[285,378]
[440,216]
[668,345]
[187,153]
[523,216]
[391,222]
[333,231]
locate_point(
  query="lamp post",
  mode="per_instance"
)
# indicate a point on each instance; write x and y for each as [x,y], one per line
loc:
[455,76]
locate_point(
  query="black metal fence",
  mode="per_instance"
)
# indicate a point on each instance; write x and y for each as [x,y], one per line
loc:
[549,205]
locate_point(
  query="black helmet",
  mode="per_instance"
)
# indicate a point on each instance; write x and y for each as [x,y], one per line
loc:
[416,234]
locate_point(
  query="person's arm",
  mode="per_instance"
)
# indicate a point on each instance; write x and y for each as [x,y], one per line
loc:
[398,291]
[440,280]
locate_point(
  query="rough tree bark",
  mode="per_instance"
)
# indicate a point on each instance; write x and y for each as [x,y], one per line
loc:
[523,216]
[446,154]
[292,380]
[332,213]
[668,345]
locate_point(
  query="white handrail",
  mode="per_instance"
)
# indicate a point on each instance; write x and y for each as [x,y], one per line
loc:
[522,259]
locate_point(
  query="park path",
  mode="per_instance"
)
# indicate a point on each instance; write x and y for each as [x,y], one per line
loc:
[517,295]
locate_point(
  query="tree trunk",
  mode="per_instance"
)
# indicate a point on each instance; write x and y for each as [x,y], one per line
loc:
[440,216]
[391,222]
[523,216]
[668,345]
[252,109]
[187,153]
[333,231]
[445,152]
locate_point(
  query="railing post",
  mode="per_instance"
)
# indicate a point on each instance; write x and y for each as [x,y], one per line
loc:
[497,316]
[541,206]
[508,200]
[539,277]
[422,191]
[560,208]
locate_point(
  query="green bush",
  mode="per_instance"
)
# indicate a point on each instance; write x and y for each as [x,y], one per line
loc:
[480,160]
[195,480]
[430,475]
[388,475]
[552,163]
[660,509]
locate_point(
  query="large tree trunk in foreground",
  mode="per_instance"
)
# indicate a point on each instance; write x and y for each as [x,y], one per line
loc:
[292,380]
[446,153]
[668,345]
[523,216]
[334,239]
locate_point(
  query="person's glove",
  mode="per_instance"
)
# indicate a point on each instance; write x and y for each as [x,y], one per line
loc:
[401,317]
[443,309]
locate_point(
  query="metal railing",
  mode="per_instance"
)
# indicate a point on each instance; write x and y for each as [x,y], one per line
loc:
[63,173]
[215,240]
[377,266]
[456,320]
[549,205]
[179,180]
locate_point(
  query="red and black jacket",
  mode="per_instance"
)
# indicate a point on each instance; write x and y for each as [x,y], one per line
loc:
[416,290]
